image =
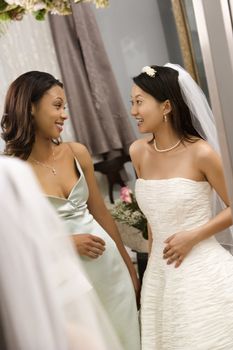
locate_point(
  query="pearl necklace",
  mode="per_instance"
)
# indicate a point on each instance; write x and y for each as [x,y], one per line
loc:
[46,165]
[166,149]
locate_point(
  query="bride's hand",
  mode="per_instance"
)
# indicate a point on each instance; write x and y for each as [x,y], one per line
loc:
[178,246]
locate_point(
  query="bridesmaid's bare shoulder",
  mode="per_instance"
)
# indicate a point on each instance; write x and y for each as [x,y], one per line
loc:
[81,153]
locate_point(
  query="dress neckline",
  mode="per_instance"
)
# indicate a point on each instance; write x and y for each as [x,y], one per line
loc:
[73,188]
[175,179]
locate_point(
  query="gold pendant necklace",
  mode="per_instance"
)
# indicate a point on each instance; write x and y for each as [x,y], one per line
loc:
[166,149]
[46,165]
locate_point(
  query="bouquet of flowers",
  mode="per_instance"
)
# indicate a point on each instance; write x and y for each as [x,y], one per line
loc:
[15,9]
[127,211]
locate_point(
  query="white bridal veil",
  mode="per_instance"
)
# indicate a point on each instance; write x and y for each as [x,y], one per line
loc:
[46,302]
[204,123]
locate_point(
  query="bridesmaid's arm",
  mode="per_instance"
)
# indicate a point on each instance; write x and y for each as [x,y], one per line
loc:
[98,209]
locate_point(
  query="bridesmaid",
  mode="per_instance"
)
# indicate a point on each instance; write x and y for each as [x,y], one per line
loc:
[33,120]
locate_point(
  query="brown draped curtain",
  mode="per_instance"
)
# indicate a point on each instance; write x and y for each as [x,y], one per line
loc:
[98,115]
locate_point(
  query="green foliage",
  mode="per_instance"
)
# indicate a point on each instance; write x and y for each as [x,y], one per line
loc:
[4,16]
[13,11]
[40,15]
[3,5]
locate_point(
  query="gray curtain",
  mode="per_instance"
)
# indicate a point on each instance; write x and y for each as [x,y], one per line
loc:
[98,115]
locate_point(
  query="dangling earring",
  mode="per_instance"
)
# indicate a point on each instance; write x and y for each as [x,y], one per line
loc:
[165,118]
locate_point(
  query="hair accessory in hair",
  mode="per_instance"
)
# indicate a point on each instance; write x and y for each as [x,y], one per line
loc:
[149,71]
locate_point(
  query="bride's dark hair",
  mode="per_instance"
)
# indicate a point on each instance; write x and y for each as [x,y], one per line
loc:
[18,130]
[164,86]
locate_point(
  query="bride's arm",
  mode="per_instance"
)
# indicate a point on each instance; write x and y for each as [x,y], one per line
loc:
[178,245]
[135,152]
[150,239]
[210,165]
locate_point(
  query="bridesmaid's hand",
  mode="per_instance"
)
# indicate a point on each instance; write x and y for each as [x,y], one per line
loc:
[178,246]
[89,245]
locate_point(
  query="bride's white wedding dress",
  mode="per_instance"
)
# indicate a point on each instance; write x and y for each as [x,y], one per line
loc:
[190,307]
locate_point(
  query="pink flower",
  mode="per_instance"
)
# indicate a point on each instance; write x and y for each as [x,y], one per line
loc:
[125,194]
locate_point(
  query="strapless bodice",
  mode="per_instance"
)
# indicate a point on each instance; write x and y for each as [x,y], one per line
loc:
[175,204]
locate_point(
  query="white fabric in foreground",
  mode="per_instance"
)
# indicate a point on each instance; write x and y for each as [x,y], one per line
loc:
[46,301]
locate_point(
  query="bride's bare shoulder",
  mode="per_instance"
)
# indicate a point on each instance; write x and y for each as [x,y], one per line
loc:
[137,146]
[204,155]
[136,150]
[201,148]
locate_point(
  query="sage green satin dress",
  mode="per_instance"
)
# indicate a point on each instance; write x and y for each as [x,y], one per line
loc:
[108,273]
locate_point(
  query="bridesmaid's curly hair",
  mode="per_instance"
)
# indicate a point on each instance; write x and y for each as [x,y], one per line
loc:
[18,130]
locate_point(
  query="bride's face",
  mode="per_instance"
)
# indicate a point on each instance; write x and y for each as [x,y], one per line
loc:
[146,110]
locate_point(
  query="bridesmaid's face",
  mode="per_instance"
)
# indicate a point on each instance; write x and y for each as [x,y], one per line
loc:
[49,113]
[146,110]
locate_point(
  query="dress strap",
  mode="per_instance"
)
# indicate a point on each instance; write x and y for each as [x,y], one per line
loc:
[76,160]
